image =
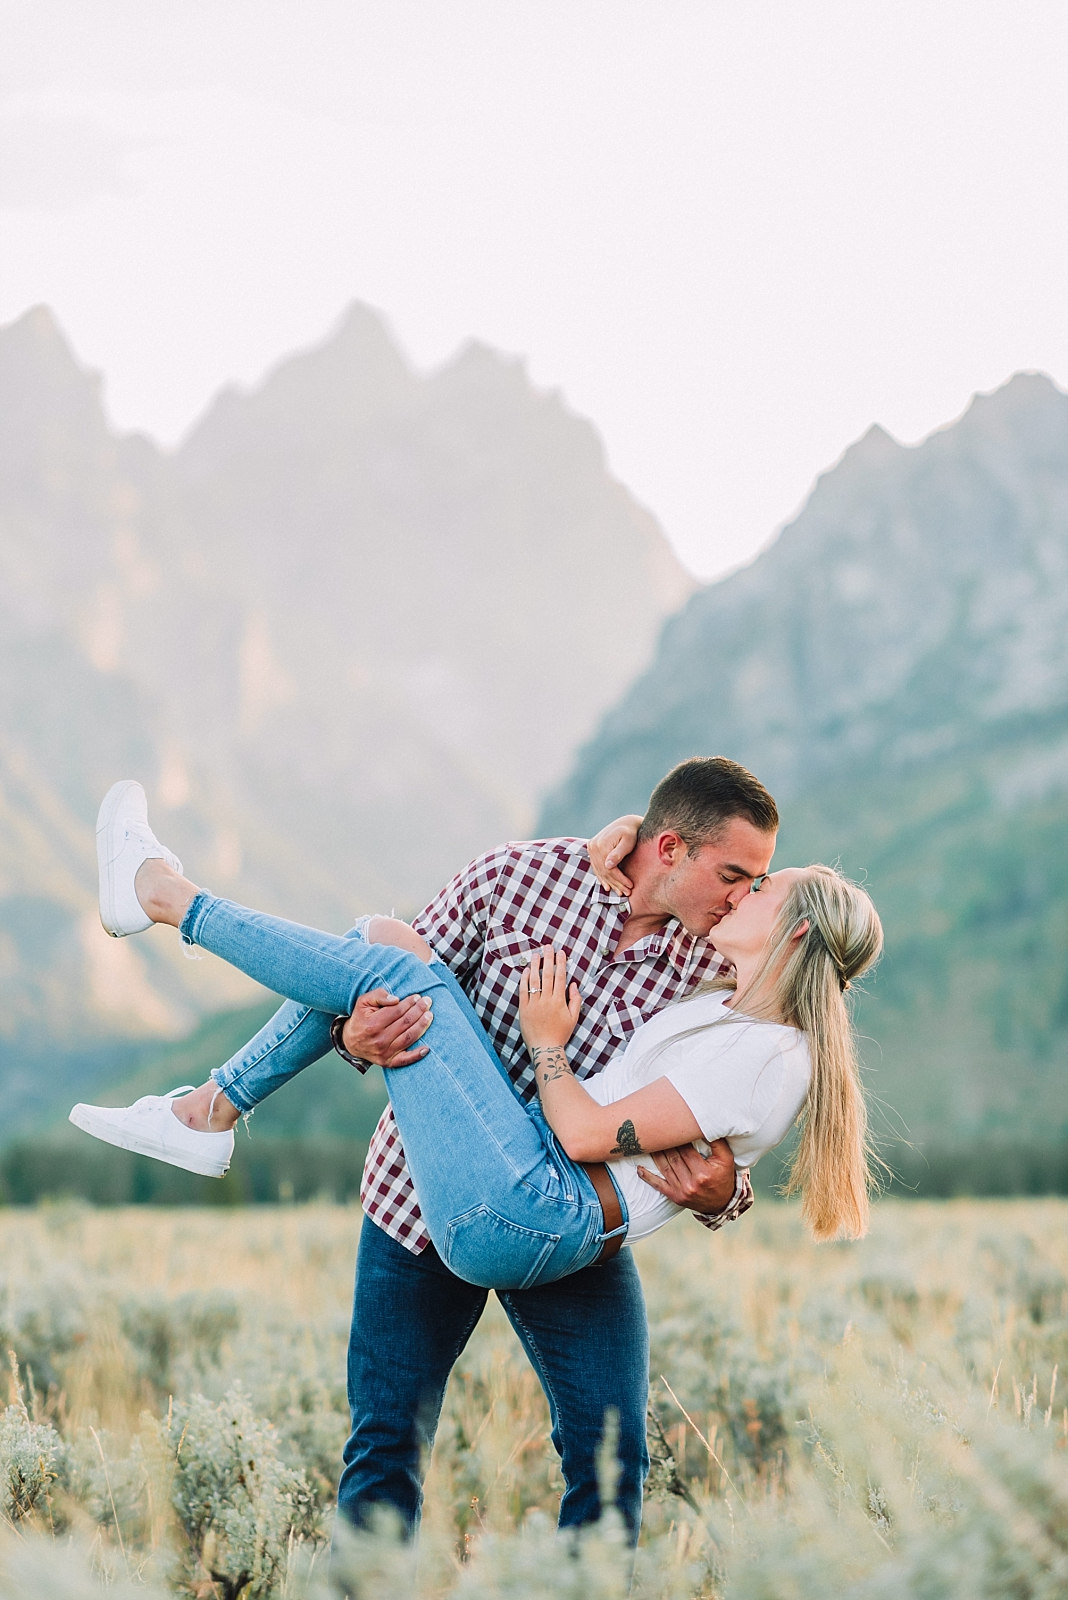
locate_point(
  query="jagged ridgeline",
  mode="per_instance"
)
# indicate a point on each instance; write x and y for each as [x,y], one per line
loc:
[347,634]
[895,668]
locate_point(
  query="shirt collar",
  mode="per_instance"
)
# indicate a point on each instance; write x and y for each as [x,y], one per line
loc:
[682,948]
[609,897]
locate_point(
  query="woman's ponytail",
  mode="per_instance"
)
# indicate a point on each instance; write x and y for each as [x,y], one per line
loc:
[803,980]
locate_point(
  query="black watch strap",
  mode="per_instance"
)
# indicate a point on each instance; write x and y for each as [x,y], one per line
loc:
[335,1039]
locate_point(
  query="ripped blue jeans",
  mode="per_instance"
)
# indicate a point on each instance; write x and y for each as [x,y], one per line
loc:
[505,1207]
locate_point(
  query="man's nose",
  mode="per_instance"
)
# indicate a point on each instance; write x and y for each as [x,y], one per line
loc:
[737,892]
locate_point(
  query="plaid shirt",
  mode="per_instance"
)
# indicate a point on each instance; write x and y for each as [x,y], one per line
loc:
[485,925]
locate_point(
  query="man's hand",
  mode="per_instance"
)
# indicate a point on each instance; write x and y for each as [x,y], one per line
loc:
[704,1184]
[383,1029]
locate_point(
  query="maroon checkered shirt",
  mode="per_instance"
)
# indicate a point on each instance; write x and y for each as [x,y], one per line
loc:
[485,925]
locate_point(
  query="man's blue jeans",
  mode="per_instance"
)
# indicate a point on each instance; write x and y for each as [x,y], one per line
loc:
[586,1337]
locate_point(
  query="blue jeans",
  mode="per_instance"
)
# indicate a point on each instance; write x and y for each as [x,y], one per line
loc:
[294,1038]
[586,1337]
[504,1205]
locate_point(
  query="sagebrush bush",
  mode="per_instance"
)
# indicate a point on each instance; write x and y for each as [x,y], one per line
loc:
[111,1481]
[28,1455]
[884,1421]
[240,1507]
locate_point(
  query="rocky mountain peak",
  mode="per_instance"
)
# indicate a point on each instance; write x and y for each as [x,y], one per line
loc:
[51,407]
[1025,419]
[34,341]
[871,451]
[320,395]
[945,563]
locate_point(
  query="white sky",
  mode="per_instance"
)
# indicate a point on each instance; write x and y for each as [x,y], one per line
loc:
[734,234]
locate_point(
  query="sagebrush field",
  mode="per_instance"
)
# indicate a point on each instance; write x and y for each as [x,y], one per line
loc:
[877,1420]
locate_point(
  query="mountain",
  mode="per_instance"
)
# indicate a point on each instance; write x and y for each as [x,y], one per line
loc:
[895,668]
[347,634]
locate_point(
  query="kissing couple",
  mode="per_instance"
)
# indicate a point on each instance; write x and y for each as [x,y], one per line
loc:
[582,1042]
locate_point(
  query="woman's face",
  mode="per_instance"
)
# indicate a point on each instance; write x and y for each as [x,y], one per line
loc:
[743,933]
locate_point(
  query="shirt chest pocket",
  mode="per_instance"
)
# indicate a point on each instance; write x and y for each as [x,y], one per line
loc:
[622,1020]
[505,947]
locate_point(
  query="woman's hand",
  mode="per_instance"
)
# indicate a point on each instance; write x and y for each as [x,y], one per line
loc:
[611,846]
[547,1011]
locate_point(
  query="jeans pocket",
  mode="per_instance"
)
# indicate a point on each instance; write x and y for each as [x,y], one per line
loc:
[484,1248]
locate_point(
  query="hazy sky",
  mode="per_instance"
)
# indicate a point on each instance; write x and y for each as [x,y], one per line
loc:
[733,234]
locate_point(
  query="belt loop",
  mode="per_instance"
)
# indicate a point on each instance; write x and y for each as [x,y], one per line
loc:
[611,1209]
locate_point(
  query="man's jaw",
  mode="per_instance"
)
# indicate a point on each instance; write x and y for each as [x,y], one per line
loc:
[703,931]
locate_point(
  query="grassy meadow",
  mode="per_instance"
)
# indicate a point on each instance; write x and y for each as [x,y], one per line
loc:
[877,1420]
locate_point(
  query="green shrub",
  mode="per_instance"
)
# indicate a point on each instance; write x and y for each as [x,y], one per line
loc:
[240,1507]
[29,1452]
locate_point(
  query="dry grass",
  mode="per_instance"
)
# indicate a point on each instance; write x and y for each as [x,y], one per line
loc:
[877,1419]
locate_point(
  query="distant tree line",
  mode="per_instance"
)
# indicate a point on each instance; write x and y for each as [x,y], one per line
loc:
[267,1171]
[990,1168]
[273,1171]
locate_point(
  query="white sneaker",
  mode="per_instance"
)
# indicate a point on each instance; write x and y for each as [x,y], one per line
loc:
[151,1128]
[123,840]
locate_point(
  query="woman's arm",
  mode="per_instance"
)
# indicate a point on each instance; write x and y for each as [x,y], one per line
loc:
[653,1118]
[608,848]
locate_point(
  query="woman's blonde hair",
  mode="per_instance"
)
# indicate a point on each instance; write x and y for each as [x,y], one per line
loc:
[826,934]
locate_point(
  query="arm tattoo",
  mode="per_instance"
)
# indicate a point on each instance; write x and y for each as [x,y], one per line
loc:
[550,1062]
[628,1143]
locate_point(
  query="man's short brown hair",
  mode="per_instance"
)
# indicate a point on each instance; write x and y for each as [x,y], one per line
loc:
[700,796]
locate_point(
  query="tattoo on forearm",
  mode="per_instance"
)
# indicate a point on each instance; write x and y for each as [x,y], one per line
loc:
[628,1143]
[550,1062]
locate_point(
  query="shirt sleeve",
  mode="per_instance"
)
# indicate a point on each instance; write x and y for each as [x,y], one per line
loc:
[454,923]
[740,1204]
[732,1087]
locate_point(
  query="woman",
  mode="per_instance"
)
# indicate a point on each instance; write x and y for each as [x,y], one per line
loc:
[502,1186]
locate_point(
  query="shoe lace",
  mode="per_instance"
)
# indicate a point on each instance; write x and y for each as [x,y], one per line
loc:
[142,832]
[147,1101]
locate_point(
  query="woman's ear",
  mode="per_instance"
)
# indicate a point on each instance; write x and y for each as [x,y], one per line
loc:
[801,929]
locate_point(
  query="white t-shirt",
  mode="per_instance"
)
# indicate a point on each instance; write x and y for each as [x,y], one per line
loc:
[745,1081]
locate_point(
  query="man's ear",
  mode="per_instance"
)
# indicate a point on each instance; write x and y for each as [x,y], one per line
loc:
[669,847]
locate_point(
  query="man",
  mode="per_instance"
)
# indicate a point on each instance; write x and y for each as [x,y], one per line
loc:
[708,833]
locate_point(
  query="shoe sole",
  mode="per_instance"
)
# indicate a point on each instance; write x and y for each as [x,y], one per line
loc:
[104,857]
[83,1118]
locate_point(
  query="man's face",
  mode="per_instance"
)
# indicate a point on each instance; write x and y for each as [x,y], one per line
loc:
[702,888]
